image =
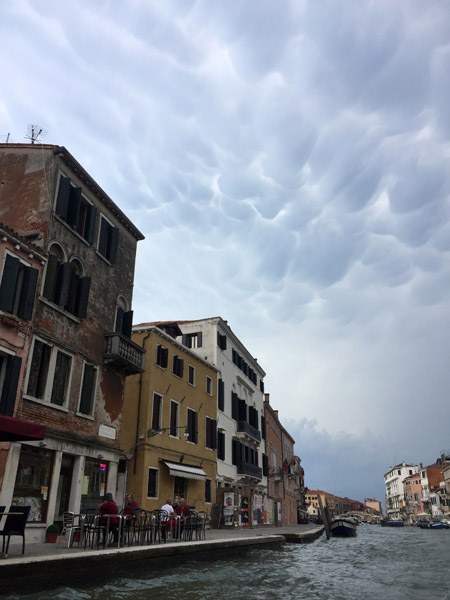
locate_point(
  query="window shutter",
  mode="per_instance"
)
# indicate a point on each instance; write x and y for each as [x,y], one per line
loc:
[213,434]
[112,244]
[90,224]
[84,284]
[64,289]
[195,421]
[242,410]
[265,464]
[9,282]
[263,427]
[208,443]
[9,392]
[50,277]
[184,340]
[221,445]
[118,325]
[234,406]
[221,395]
[87,389]
[103,237]
[73,212]
[199,339]
[28,292]
[62,203]
[127,323]
[165,357]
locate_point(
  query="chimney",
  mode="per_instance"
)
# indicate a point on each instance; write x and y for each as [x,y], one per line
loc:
[266,398]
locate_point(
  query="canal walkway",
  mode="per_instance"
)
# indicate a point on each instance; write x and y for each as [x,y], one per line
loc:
[46,566]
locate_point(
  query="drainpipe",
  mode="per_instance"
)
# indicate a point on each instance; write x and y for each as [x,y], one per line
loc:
[139,409]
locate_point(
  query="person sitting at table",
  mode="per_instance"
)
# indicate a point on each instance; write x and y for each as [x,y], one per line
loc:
[168,508]
[131,505]
[183,511]
[109,507]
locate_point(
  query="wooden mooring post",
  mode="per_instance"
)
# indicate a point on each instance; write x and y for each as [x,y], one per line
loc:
[325,516]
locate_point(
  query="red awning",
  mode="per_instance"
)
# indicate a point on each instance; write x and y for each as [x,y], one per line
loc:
[16,430]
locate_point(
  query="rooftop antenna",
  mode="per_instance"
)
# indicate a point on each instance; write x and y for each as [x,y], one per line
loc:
[34,131]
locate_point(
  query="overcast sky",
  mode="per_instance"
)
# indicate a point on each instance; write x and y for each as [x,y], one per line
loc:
[287,162]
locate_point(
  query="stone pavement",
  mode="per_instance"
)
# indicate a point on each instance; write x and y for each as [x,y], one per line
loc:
[304,533]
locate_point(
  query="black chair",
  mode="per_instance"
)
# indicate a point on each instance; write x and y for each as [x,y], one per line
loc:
[92,529]
[199,525]
[15,525]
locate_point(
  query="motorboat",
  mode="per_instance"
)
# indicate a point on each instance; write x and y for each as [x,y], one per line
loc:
[343,526]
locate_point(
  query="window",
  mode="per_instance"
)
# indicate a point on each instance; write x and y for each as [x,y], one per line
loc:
[107,240]
[33,474]
[18,287]
[75,210]
[192,340]
[157,411]
[174,418]
[177,366]
[65,284]
[265,465]
[180,488]
[221,445]
[209,385]
[162,355]
[9,378]
[191,375]
[88,386]
[152,484]
[207,490]
[49,374]
[222,341]
[263,427]
[192,422]
[221,395]
[124,319]
[211,433]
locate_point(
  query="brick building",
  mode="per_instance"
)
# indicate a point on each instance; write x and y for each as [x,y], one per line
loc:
[80,346]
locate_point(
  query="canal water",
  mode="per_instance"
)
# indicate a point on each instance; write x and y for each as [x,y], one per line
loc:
[379,563]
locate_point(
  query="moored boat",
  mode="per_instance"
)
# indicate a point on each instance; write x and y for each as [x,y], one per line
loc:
[343,526]
[392,523]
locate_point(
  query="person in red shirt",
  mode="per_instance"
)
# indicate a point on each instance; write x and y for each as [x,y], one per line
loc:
[183,511]
[109,507]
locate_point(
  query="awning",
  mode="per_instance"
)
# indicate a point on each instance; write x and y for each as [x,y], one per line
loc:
[186,471]
[16,430]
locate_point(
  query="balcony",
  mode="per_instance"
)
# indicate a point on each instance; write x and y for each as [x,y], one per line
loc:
[123,355]
[249,470]
[246,428]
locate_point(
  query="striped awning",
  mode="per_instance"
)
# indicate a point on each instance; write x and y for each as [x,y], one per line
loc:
[186,471]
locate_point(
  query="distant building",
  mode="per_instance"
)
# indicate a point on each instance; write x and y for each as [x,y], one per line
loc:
[80,350]
[393,480]
[413,507]
[374,506]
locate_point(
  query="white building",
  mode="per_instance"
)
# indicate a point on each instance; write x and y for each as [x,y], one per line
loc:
[393,480]
[241,459]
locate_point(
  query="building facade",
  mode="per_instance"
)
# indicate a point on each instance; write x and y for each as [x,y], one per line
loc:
[169,430]
[241,459]
[80,348]
[395,499]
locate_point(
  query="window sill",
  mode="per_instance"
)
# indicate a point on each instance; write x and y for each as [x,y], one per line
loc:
[161,367]
[46,404]
[104,259]
[59,309]
[83,416]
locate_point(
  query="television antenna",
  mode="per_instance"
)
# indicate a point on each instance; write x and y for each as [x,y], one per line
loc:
[34,132]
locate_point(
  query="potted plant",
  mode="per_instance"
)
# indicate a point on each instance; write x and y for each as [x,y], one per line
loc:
[52,534]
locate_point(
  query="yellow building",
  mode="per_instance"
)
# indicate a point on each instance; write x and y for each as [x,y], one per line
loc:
[169,422]
[312,502]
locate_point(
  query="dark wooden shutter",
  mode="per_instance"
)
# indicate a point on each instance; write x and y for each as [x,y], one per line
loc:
[84,285]
[236,453]
[127,323]
[221,395]
[62,203]
[213,434]
[28,292]
[199,339]
[103,238]
[90,224]
[112,244]
[185,340]
[234,406]
[118,325]
[164,357]
[87,389]
[156,411]
[63,293]
[173,418]
[50,277]
[208,443]
[9,392]
[221,445]
[73,212]
[195,420]
[242,410]
[9,283]
[263,427]
[265,464]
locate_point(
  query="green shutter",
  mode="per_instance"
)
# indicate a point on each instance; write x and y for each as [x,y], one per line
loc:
[9,283]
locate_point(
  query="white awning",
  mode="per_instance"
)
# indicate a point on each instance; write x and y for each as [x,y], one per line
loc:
[188,472]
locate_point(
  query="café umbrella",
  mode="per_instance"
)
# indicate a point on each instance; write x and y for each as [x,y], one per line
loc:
[17,430]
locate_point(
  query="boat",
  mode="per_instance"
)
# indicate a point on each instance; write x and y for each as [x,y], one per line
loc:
[343,526]
[392,524]
[433,525]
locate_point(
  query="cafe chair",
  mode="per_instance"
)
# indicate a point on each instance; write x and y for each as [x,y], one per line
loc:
[15,525]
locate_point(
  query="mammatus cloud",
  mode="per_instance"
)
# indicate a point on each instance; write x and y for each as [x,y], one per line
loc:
[288,166]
